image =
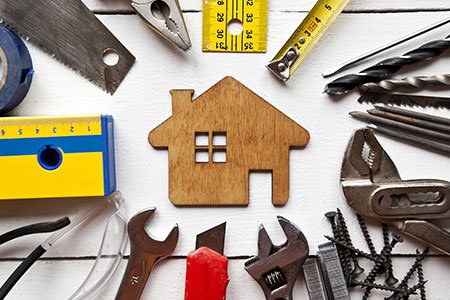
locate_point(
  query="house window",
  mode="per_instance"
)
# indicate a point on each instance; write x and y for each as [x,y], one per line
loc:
[210,147]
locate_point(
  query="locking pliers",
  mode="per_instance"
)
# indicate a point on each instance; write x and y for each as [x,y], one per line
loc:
[373,188]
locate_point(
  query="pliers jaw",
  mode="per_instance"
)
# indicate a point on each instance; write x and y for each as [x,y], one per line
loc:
[166,18]
[373,188]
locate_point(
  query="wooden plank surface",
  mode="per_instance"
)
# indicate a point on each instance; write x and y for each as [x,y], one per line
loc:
[143,101]
[291,5]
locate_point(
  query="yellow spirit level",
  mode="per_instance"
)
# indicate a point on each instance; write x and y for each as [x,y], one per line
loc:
[53,157]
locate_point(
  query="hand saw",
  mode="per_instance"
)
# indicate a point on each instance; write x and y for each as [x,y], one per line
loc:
[410,100]
[70,32]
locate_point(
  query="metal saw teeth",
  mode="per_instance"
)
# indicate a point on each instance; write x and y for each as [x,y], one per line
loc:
[58,28]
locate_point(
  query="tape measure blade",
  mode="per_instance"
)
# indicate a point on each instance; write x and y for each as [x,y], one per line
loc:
[305,37]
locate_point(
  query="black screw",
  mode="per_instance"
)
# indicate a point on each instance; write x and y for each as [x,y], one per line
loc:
[379,287]
[423,295]
[357,270]
[338,235]
[413,268]
[365,231]
[353,249]
[403,284]
[385,253]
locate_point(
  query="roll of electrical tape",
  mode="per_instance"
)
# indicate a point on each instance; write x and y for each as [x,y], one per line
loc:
[16,70]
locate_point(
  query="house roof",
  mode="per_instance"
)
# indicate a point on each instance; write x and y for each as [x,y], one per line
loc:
[226,89]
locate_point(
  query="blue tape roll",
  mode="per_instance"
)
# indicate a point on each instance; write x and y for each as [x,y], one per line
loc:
[17,70]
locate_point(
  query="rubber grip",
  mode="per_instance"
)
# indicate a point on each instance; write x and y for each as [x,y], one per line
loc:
[206,275]
[17,70]
[21,269]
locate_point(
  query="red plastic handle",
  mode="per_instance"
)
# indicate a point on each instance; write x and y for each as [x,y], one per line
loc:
[206,275]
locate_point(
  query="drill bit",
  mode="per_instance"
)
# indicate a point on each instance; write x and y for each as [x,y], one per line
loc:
[387,67]
[415,82]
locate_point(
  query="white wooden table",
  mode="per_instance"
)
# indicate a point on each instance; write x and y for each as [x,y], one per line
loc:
[143,101]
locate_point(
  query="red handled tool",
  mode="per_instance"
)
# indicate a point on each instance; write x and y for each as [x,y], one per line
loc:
[207,267]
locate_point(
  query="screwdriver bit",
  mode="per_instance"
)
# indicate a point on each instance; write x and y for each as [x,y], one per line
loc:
[387,67]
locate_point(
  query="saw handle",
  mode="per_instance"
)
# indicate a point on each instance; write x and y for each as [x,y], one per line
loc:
[206,275]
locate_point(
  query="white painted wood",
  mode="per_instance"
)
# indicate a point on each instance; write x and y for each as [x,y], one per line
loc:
[50,280]
[143,101]
[290,5]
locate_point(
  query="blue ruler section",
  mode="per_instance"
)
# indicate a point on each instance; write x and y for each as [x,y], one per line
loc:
[68,144]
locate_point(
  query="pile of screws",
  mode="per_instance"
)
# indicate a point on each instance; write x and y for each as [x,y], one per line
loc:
[348,256]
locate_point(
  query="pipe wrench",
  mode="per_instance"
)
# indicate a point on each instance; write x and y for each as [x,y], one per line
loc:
[373,188]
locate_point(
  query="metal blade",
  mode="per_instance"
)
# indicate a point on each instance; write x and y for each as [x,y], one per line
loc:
[409,100]
[70,32]
[213,238]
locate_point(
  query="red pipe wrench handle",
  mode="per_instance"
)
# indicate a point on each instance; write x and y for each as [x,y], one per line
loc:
[206,275]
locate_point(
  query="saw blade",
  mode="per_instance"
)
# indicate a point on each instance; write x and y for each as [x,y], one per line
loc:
[70,32]
[408,100]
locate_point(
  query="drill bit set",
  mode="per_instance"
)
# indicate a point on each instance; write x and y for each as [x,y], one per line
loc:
[388,67]
[425,130]
[382,262]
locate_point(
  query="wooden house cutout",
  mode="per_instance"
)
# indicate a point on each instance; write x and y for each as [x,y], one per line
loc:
[216,140]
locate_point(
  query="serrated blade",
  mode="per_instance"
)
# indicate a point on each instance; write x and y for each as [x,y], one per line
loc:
[70,32]
[408,100]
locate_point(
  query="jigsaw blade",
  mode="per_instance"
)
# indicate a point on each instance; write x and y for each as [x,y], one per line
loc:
[408,100]
[70,32]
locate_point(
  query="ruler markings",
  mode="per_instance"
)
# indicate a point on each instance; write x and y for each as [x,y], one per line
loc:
[251,13]
[305,37]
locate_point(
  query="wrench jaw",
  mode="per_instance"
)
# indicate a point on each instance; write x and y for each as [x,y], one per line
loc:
[276,268]
[140,239]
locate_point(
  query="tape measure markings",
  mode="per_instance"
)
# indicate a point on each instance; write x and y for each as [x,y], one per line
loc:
[217,15]
[305,37]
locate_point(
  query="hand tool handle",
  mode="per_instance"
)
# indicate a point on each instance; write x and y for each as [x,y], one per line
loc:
[138,270]
[206,275]
[437,192]
[22,269]
[428,233]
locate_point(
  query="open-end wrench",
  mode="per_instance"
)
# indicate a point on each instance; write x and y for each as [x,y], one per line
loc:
[144,253]
[276,268]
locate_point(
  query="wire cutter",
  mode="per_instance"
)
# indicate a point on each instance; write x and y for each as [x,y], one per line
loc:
[374,189]
[166,18]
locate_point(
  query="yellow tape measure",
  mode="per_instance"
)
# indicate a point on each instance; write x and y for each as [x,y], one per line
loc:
[305,37]
[219,17]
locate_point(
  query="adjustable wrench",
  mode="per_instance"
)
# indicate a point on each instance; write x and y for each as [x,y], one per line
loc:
[276,268]
[145,252]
